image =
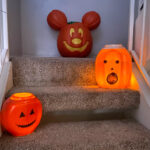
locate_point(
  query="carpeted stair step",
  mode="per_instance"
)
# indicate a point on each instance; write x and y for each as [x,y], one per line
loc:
[75,98]
[36,71]
[97,135]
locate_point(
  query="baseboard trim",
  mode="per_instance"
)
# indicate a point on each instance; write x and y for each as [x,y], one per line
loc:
[6,82]
[142,113]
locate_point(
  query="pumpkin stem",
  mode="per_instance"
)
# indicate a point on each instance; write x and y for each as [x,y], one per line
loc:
[72,22]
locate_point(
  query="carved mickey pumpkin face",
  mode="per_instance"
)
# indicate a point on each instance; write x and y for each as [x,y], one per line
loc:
[113,68]
[21,114]
[74,39]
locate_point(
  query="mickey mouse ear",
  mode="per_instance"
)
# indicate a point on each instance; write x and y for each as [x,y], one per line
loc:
[56,19]
[91,20]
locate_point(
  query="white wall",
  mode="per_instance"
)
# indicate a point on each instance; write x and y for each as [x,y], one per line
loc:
[39,40]
[14,26]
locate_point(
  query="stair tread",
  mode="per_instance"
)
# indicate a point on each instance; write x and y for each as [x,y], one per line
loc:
[92,135]
[61,98]
[31,71]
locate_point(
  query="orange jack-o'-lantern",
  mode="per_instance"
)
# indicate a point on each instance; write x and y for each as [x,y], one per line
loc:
[21,114]
[74,39]
[113,67]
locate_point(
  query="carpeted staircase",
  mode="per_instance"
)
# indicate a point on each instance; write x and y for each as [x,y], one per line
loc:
[77,115]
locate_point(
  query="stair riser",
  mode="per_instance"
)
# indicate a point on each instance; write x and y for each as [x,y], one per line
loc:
[53,72]
[76,116]
[75,99]
[79,102]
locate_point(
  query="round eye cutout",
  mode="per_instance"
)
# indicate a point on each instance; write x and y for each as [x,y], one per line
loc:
[72,31]
[105,61]
[117,61]
[80,31]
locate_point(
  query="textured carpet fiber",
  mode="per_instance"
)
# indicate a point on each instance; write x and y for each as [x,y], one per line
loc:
[33,71]
[67,86]
[66,98]
[99,135]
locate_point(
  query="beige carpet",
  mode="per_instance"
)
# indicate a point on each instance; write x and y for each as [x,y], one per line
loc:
[77,114]
[64,98]
[96,135]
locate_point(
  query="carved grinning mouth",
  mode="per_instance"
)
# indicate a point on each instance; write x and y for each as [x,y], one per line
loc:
[27,125]
[80,49]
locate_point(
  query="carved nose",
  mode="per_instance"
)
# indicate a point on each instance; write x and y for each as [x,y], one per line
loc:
[112,68]
[76,41]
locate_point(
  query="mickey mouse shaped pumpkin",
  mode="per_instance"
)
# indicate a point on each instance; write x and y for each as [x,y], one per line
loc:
[74,39]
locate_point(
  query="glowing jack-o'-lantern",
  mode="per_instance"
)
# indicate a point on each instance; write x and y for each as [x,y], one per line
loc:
[21,114]
[113,67]
[74,39]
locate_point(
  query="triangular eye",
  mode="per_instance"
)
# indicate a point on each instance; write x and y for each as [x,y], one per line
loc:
[22,115]
[32,112]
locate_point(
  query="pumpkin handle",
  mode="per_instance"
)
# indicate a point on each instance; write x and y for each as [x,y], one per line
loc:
[91,20]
